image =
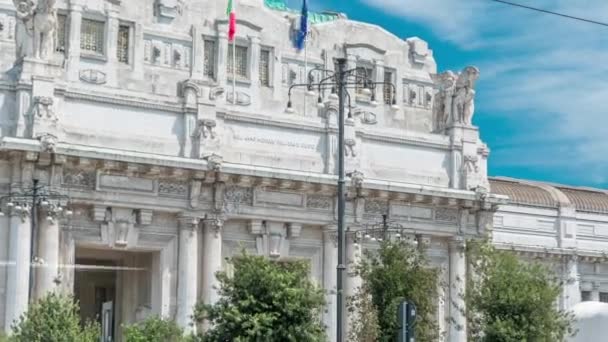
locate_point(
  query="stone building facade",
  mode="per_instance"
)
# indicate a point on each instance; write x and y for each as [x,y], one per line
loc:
[129,108]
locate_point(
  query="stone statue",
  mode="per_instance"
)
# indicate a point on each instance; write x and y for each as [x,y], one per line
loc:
[36,29]
[464,99]
[442,108]
[24,28]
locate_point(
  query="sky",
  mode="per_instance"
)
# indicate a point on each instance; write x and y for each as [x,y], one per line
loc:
[542,97]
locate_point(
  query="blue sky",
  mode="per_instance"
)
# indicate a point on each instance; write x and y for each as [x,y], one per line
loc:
[542,99]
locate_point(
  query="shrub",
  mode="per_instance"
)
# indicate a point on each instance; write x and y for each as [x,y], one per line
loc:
[509,299]
[153,329]
[54,318]
[264,301]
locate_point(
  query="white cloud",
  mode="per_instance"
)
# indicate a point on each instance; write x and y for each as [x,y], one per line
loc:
[540,67]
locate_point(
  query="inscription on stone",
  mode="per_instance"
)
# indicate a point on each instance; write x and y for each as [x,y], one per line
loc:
[411,211]
[274,141]
[280,198]
[115,182]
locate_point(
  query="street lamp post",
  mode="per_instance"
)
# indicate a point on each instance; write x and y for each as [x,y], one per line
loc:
[35,196]
[339,82]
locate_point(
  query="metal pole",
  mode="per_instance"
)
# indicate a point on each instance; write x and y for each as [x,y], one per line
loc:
[34,238]
[341,80]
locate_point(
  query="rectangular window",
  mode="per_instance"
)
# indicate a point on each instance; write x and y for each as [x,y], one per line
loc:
[364,75]
[265,68]
[122,51]
[209,58]
[388,88]
[60,33]
[585,296]
[92,38]
[241,61]
[604,297]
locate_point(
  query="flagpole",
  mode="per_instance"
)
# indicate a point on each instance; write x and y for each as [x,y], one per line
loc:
[305,70]
[234,71]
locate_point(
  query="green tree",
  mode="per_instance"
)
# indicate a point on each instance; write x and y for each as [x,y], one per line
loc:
[54,318]
[264,301]
[511,300]
[391,274]
[153,329]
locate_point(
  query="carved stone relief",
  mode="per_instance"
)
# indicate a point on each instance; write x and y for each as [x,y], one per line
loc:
[319,202]
[48,142]
[79,179]
[447,215]
[237,194]
[455,100]
[376,207]
[92,76]
[242,99]
[173,189]
[168,53]
[44,108]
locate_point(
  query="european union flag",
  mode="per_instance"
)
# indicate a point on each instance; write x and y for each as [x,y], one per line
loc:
[303,32]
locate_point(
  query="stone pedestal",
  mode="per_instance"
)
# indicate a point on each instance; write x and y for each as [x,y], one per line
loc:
[48,251]
[18,274]
[458,322]
[187,272]
[330,265]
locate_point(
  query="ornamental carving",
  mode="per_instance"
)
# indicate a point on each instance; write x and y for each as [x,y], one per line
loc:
[92,76]
[43,108]
[238,194]
[48,142]
[376,207]
[319,202]
[205,129]
[79,179]
[242,99]
[173,189]
[447,215]
[349,148]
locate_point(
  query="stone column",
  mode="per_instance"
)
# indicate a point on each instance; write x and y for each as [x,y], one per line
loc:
[330,265]
[187,271]
[458,323]
[73,59]
[442,302]
[212,258]
[18,273]
[595,292]
[353,281]
[112,43]
[48,251]
[572,289]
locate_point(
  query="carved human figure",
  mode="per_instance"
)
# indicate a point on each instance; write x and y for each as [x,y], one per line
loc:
[464,100]
[442,108]
[24,28]
[36,28]
[349,148]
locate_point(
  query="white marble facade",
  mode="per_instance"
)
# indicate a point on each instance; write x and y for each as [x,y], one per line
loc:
[170,170]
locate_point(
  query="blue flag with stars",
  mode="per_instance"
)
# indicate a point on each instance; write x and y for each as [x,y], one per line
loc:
[303,31]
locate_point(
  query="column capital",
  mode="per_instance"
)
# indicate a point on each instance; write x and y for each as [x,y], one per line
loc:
[457,242]
[21,212]
[214,223]
[188,221]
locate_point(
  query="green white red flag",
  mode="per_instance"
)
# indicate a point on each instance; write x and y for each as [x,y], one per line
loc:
[231,13]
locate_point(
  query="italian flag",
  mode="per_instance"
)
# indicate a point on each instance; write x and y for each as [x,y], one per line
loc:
[230,12]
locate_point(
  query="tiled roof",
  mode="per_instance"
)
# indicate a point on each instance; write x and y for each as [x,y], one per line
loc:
[521,193]
[587,200]
[551,195]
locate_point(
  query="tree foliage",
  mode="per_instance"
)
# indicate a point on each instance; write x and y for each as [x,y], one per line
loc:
[395,272]
[264,301]
[511,300]
[54,318]
[153,329]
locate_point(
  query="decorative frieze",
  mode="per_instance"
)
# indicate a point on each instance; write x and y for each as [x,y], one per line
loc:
[447,215]
[173,189]
[405,210]
[319,202]
[280,198]
[79,179]
[238,194]
[376,207]
[116,182]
